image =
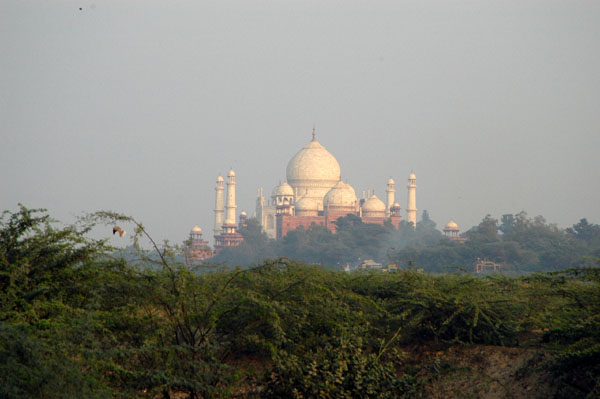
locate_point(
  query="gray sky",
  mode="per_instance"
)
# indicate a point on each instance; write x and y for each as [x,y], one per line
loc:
[137,106]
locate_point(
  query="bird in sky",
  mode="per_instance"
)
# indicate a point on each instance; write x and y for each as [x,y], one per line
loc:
[119,230]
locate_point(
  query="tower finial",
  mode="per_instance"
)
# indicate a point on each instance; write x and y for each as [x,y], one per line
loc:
[314,133]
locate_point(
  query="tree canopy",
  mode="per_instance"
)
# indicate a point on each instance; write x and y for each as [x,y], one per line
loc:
[519,243]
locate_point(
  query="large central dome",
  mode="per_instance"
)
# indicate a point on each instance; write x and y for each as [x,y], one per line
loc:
[313,171]
[313,163]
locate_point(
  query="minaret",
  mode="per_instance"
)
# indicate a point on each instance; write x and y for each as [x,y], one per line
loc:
[391,193]
[411,205]
[229,237]
[219,203]
[230,214]
[260,204]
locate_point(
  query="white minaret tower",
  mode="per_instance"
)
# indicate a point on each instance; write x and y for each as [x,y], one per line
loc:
[391,194]
[219,205]
[230,214]
[411,205]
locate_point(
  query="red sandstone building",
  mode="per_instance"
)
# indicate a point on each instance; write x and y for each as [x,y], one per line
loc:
[196,248]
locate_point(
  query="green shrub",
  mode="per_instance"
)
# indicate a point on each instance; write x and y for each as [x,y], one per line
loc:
[341,369]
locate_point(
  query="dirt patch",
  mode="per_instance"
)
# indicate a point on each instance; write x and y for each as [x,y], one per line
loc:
[486,372]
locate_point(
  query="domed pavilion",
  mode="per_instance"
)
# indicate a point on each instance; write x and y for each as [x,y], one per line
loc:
[452,232]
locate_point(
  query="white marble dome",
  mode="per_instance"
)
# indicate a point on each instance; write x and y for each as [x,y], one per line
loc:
[306,204]
[341,194]
[373,205]
[283,189]
[312,172]
[196,230]
[313,164]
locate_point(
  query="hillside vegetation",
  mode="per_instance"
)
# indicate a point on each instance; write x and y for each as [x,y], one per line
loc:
[76,322]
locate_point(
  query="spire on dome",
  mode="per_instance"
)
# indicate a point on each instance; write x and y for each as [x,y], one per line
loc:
[314,134]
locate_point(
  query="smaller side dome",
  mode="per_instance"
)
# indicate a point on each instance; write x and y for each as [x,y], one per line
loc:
[196,230]
[341,194]
[373,208]
[391,181]
[231,173]
[243,213]
[373,204]
[220,179]
[306,204]
[396,205]
[284,189]
[451,226]
[283,193]
[412,176]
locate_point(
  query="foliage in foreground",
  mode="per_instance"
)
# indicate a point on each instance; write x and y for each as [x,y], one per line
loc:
[75,322]
[340,369]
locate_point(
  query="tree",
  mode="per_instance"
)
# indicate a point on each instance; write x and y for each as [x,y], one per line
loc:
[255,248]
[426,233]
[348,221]
[485,232]
[507,223]
[363,240]
[585,231]
[426,220]
[44,298]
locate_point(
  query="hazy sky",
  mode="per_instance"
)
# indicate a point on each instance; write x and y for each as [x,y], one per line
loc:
[137,106]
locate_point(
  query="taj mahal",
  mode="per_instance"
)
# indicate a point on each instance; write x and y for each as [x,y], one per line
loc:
[312,193]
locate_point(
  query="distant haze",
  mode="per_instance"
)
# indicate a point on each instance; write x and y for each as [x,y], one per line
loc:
[137,106]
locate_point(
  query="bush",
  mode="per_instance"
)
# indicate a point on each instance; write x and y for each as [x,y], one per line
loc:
[339,370]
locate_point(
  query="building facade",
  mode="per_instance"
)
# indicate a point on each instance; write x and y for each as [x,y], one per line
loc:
[315,193]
